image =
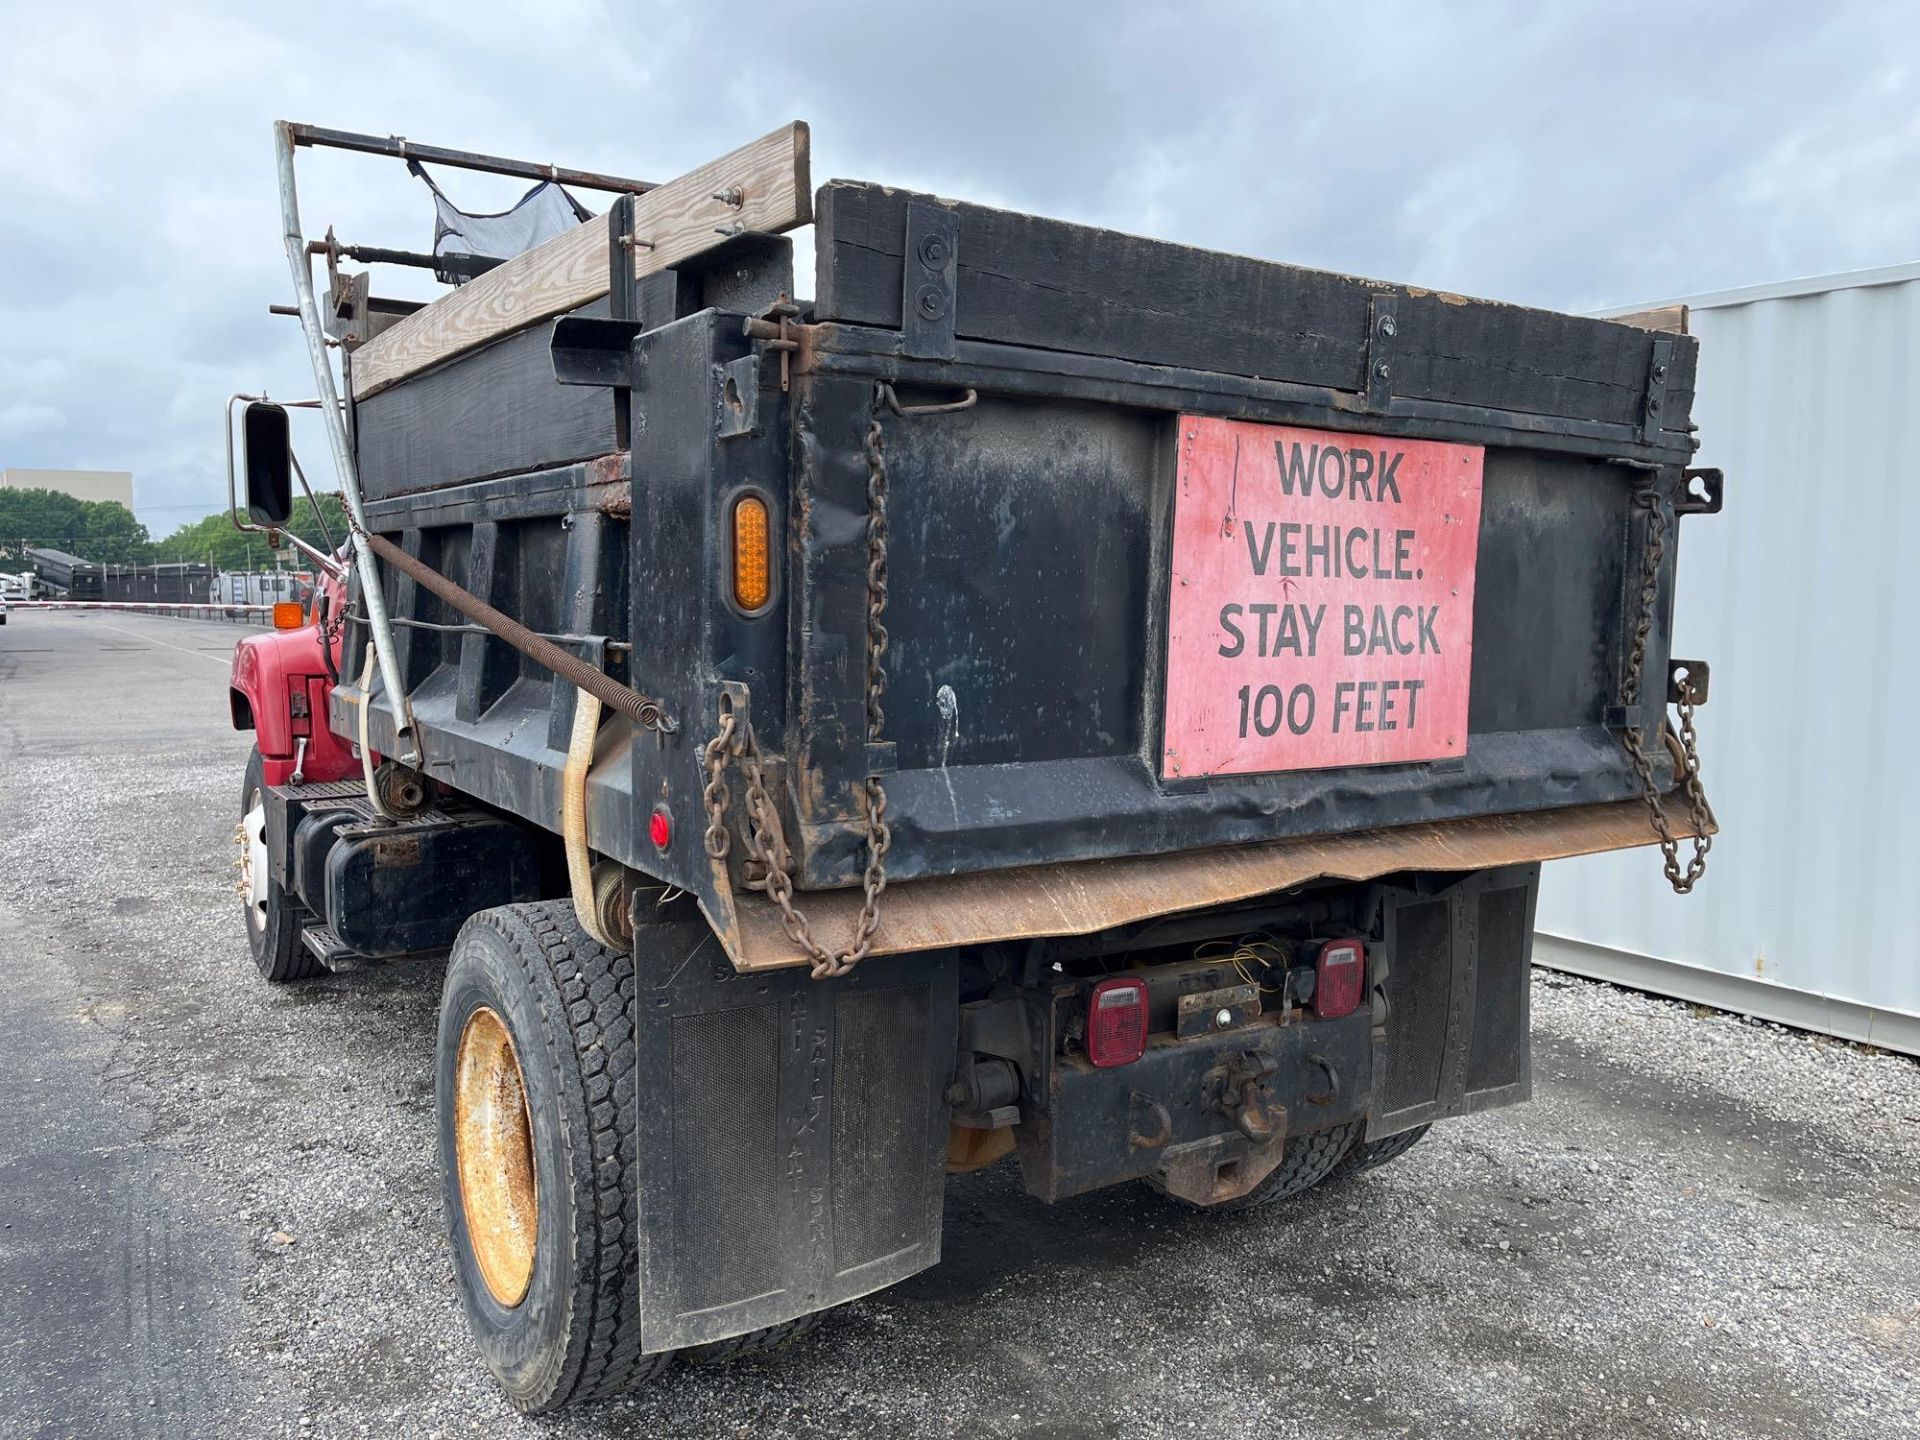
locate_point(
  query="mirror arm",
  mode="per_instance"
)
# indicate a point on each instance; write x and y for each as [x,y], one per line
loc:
[313,504]
[314,553]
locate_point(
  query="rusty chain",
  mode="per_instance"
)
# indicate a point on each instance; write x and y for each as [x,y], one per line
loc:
[1689,758]
[769,865]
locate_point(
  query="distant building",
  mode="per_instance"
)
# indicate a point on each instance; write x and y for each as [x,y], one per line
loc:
[80,484]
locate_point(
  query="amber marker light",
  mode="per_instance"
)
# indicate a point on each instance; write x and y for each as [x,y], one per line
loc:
[752,576]
[288,615]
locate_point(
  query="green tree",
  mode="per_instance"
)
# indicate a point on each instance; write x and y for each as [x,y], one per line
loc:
[103,531]
[214,541]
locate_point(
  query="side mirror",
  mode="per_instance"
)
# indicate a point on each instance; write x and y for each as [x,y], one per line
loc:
[268,445]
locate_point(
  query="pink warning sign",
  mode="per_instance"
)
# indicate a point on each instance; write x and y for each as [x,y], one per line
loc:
[1321,610]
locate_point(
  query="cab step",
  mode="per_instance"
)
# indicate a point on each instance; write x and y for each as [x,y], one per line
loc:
[331,951]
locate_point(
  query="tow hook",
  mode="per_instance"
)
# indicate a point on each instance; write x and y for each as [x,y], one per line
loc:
[1238,1090]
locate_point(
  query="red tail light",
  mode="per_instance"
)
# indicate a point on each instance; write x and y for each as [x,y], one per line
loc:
[1117,1022]
[1339,978]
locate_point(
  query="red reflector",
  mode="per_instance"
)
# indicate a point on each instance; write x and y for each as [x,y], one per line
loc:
[660,830]
[1117,1022]
[1339,978]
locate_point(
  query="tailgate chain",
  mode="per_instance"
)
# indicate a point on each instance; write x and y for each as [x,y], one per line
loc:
[1689,757]
[769,859]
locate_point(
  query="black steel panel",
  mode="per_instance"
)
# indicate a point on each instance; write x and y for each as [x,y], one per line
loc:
[1548,588]
[1019,582]
[1027,280]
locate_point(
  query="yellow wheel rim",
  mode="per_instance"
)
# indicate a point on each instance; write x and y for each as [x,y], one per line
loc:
[493,1147]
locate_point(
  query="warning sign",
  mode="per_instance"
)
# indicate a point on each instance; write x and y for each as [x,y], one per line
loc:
[1321,611]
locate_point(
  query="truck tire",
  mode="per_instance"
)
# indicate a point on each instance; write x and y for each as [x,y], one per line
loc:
[272,920]
[1309,1160]
[1366,1154]
[538,1128]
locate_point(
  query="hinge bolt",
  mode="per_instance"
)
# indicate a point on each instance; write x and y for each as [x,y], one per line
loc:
[1383,370]
[1387,327]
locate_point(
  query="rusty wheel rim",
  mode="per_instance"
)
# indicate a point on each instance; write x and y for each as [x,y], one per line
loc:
[493,1148]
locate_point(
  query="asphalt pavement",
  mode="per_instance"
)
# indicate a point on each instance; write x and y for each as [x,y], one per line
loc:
[219,1215]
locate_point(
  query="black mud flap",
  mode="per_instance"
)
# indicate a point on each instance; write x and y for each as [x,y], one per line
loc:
[1450,982]
[793,1134]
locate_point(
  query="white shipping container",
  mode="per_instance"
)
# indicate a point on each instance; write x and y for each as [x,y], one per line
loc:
[1803,597]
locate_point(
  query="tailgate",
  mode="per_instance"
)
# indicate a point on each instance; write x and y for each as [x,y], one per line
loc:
[1166,585]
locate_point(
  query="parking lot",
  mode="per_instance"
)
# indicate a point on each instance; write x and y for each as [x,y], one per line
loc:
[221,1214]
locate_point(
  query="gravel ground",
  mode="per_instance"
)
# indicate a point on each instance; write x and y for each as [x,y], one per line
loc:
[222,1216]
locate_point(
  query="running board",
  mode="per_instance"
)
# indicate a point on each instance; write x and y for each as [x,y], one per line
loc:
[342,959]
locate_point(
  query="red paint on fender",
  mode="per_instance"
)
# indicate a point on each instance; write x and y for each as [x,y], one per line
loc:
[269,669]
[1321,606]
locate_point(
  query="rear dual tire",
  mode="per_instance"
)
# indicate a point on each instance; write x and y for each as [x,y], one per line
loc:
[1368,1154]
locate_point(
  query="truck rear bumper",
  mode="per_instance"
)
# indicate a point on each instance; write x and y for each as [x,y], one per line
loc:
[1092,895]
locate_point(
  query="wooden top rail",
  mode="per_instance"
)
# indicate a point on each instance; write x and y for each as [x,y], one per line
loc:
[671,223]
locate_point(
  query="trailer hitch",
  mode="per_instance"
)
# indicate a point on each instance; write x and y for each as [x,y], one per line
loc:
[1238,1089]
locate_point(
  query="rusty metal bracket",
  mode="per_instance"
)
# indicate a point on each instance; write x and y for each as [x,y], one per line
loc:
[1383,324]
[1162,1131]
[929,274]
[1701,492]
[1653,407]
[778,332]
[1687,680]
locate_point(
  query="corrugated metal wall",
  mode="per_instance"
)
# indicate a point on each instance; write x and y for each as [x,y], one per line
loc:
[1804,597]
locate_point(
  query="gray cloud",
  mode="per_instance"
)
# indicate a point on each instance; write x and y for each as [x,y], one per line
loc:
[1554,155]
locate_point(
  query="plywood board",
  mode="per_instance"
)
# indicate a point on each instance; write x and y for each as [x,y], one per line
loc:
[1085,896]
[673,222]
[1670,318]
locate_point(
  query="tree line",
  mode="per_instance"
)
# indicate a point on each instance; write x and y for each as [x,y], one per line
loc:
[107,533]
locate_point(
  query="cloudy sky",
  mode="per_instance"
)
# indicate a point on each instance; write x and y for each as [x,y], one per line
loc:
[1560,155]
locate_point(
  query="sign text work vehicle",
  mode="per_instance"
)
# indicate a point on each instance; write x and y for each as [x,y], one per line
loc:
[1321,610]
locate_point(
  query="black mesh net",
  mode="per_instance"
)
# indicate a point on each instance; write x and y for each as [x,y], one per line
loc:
[543,212]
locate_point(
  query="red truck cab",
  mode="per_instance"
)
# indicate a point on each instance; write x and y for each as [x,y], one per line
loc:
[279,691]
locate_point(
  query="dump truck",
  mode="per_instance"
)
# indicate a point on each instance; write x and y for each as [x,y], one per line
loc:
[1051,697]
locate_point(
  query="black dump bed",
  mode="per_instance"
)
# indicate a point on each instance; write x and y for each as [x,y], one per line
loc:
[1181,551]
